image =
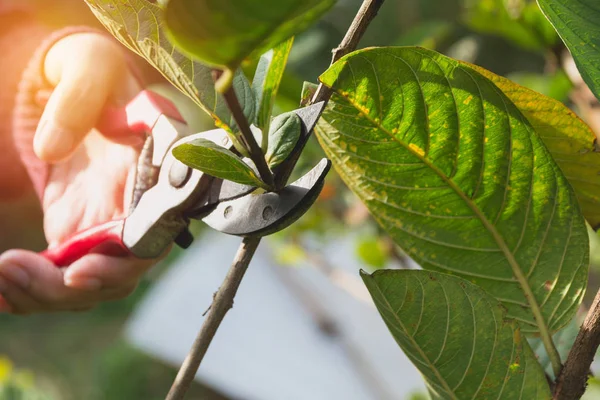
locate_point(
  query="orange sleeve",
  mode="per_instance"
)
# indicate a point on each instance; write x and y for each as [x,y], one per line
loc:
[20,35]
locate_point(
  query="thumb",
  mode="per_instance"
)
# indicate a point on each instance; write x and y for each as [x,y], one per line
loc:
[85,80]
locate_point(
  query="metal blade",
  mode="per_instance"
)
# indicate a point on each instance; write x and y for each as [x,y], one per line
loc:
[267,213]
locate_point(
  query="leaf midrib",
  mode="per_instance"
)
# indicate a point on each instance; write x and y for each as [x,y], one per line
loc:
[516,268]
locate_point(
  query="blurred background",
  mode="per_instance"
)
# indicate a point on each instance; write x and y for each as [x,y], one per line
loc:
[303,326]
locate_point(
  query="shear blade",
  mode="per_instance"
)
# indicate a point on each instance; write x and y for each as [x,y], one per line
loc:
[267,213]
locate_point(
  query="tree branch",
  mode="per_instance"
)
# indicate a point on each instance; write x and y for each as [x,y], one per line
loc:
[223,300]
[572,380]
[368,10]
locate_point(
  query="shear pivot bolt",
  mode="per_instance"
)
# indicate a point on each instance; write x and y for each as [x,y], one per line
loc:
[267,212]
[179,174]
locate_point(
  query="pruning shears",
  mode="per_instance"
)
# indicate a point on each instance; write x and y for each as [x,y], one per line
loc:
[161,212]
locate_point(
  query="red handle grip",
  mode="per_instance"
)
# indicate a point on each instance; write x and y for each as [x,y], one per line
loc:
[103,239]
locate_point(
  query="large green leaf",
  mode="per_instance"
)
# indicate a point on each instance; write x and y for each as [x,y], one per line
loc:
[217,161]
[267,79]
[578,24]
[459,178]
[225,32]
[519,21]
[570,141]
[458,336]
[137,24]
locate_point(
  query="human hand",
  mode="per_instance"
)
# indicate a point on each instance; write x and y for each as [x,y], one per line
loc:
[89,181]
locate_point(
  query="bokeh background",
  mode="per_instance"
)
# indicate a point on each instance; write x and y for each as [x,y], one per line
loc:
[93,355]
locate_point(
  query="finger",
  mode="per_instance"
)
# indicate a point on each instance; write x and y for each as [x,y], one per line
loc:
[96,270]
[85,78]
[30,283]
[15,300]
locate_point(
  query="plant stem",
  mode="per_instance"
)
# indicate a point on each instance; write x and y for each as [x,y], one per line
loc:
[253,148]
[223,302]
[368,10]
[572,380]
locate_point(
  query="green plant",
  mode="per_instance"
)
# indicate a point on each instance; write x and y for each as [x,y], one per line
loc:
[486,184]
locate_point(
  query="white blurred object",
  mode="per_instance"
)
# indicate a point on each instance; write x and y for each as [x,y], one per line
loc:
[270,345]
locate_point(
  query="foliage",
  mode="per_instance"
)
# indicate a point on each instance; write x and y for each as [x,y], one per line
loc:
[225,32]
[216,160]
[578,24]
[283,135]
[268,76]
[458,177]
[457,335]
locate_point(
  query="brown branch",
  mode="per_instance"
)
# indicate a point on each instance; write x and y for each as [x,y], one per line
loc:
[223,300]
[349,43]
[572,380]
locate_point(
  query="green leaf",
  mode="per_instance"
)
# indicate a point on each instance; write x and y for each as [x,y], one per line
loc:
[225,32]
[563,339]
[217,161]
[519,21]
[578,24]
[137,24]
[267,78]
[283,136]
[569,139]
[459,179]
[457,335]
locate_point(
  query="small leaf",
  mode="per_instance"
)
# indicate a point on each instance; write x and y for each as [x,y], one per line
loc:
[283,135]
[217,161]
[137,24]
[457,335]
[458,177]
[267,78]
[570,141]
[225,32]
[308,91]
[578,24]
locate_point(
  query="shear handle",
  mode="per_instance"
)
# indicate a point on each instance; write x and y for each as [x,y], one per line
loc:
[104,239]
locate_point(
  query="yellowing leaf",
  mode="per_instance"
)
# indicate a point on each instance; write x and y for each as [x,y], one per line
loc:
[569,139]
[458,177]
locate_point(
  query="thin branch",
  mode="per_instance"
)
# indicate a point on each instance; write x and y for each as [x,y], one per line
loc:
[349,43]
[363,18]
[572,380]
[223,302]
[253,148]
